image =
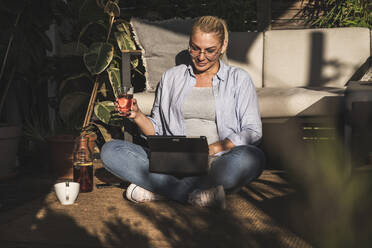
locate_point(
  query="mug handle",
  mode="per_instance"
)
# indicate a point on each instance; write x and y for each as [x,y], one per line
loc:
[67,191]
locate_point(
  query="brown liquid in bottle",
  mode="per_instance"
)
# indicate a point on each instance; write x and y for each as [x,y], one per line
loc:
[83,165]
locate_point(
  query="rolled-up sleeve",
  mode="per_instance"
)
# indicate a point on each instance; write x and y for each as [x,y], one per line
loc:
[250,130]
[155,116]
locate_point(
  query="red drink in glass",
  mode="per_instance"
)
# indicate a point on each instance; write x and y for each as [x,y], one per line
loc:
[125,102]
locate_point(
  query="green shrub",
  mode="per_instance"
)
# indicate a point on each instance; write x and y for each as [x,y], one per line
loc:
[240,15]
[339,13]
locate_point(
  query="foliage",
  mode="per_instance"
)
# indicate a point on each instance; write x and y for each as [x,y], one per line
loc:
[94,45]
[337,13]
[240,15]
[74,81]
[98,57]
[73,15]
[106,57]
[23,48]
[30,42]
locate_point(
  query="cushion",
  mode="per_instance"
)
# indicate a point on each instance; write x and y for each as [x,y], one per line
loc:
[314,57]
[290,102]
[164,45]
[245,50]
[145,101]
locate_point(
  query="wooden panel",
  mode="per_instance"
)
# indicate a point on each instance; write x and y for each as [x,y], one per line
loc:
[286,14]
[289,24]
[285,4]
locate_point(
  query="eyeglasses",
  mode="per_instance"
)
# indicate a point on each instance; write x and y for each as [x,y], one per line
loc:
[209,53]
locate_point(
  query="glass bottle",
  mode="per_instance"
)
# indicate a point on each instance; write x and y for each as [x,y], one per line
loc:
[83,164]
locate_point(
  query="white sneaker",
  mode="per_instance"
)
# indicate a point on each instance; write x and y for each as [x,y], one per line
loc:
[137,194]
[214,197]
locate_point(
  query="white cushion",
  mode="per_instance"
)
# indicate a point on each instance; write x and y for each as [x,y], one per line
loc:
[145,101]
[162,43]
[290,102]
[245,50]
[314,57]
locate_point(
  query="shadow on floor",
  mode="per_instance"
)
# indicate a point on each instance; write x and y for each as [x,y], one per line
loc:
[335,216]
[40,222]
[267,213]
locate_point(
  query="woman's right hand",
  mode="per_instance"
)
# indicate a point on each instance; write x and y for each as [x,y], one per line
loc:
[135,113]
[134,110]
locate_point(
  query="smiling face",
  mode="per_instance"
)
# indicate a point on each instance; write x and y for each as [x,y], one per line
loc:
[205,50]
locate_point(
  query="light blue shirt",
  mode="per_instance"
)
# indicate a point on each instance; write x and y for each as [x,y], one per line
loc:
[237,113]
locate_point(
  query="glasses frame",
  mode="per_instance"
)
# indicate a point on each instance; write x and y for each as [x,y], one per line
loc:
[214,55]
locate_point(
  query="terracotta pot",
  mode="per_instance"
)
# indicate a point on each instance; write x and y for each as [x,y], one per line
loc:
[9,142]
[61,149]
[60,155]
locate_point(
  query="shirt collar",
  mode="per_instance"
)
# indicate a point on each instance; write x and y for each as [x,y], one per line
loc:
[221,74]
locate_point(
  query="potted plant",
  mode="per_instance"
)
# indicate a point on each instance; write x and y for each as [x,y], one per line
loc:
[102,61]
[23,48]
[87,71]
[107,54]
[72,84]
[9,134]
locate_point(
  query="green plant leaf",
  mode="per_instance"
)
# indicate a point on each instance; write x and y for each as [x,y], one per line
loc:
[74,78]
[122,26]
[88,11]
[112,9]
[104,132]
[84,29]
[114,78]
[105,112]
[124,41]
[134,63]
[72,49]
[139,72]
[98,57]
[73,107]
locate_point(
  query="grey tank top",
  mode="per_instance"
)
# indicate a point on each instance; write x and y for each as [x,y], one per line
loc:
[199,112]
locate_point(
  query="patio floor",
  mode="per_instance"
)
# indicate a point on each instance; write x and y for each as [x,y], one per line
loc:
[268,213]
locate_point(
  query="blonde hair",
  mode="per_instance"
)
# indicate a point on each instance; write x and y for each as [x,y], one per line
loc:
[212,24]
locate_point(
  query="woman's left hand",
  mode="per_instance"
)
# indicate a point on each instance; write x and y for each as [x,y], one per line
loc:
[211,149]
[220,146]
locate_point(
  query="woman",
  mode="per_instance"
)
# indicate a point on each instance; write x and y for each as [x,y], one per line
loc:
[206,98]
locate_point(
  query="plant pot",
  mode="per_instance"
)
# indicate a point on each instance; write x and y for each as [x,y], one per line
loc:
[60,155]
[61,149]
[9,142]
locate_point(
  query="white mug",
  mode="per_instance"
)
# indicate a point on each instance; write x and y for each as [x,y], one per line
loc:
[67,192]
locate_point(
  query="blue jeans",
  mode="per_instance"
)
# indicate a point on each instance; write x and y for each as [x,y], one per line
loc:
[233,170]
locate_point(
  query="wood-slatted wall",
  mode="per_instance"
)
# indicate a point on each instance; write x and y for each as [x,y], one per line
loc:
[281,14]
[285,14]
